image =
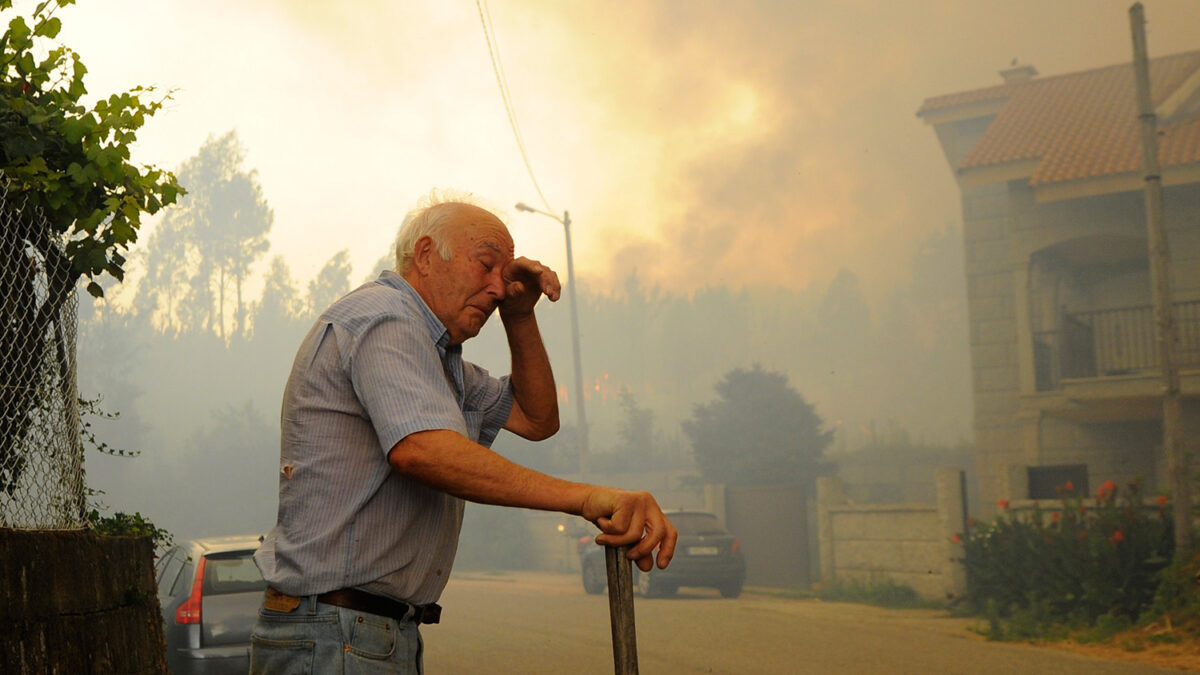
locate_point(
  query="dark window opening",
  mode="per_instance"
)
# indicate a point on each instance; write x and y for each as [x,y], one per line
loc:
[1051,482]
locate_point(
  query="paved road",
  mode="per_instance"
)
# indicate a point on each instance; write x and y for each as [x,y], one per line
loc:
[534,623]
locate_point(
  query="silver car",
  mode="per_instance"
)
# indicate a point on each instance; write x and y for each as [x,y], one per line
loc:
[210,591]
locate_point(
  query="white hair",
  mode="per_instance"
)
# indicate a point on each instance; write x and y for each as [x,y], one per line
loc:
[429,218]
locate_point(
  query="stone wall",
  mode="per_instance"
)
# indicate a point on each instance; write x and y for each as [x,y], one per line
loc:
[75,602]
[910,544]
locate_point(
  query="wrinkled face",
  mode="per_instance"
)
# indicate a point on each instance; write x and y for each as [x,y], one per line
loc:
[464,290]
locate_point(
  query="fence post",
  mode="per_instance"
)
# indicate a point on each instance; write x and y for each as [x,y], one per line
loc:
[952,526]
[830,493]
[714,501]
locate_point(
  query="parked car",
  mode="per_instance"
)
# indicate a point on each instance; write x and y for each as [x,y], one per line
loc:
[210,591]
[705,555]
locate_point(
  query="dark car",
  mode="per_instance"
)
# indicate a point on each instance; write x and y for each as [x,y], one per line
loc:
[705,555]
[210,591]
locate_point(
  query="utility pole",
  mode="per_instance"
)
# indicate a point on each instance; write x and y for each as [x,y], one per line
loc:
[1164,310]
[580,414]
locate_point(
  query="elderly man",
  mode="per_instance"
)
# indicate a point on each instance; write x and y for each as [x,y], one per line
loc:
[385,431]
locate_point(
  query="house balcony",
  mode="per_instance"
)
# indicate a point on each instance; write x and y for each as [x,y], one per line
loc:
[1105,364]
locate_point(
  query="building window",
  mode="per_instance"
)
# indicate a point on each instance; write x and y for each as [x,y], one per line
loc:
[1045,481]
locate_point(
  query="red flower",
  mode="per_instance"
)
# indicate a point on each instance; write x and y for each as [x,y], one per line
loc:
[1070,486]
[1055,516]
[1003,503]
[957,537]
[1116,538]
[1161,501]
[1082,535]
[1083,508]
[1106,490]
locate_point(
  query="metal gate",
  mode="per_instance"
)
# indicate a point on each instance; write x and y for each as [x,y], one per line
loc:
[772,524]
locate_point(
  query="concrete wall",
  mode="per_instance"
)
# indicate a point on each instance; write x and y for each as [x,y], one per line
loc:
[73,602]
[888,474]
[911,544]
[992,280]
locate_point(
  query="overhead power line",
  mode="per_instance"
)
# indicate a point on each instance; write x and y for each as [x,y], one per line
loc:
[494,51]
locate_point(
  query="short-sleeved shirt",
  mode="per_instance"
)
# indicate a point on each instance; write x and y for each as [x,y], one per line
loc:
[376,367]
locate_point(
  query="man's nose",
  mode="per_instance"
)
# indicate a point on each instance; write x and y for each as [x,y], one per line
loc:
[496,284]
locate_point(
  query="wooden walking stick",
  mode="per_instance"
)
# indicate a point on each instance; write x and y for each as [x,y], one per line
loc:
[620,609]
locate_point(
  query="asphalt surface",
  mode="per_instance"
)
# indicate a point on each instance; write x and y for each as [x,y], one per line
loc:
[544,623]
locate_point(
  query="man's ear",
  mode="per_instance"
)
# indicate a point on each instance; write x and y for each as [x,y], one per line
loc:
[422,254]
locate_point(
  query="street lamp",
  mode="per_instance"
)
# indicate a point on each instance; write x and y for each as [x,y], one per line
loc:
[579,412]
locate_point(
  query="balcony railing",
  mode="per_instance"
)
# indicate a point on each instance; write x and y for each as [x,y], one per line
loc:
[1111,342]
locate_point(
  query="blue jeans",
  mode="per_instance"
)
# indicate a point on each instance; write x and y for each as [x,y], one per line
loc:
[316,638]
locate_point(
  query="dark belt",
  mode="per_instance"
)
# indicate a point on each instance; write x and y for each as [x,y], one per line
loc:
[362,601]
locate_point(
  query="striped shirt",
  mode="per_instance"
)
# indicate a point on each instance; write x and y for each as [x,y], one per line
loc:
[376,367]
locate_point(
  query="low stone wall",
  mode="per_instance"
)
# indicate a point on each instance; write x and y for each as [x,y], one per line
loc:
[75,602]
[911,544]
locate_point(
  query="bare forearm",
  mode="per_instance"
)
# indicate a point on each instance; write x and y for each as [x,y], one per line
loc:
[532,379]
[449,462]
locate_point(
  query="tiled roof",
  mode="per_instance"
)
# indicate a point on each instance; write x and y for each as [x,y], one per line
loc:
[1080,125]
[998,92]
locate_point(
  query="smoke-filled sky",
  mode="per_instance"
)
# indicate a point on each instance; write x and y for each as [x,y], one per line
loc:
[700,143]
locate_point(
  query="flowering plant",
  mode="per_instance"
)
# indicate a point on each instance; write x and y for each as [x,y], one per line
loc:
[1071,563]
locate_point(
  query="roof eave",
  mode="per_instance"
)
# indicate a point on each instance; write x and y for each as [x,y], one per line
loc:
[999,173]
[1097,186]
[965,111]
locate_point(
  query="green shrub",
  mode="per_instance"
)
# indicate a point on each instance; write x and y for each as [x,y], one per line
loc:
[126,525]
[1070,565]
[1178,593]
[1107,626]
[881,592]
[1022,623]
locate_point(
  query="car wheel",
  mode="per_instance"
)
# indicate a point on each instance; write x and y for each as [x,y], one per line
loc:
[595,578]
[730,589]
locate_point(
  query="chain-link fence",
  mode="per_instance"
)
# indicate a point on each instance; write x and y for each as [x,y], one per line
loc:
[41,457]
